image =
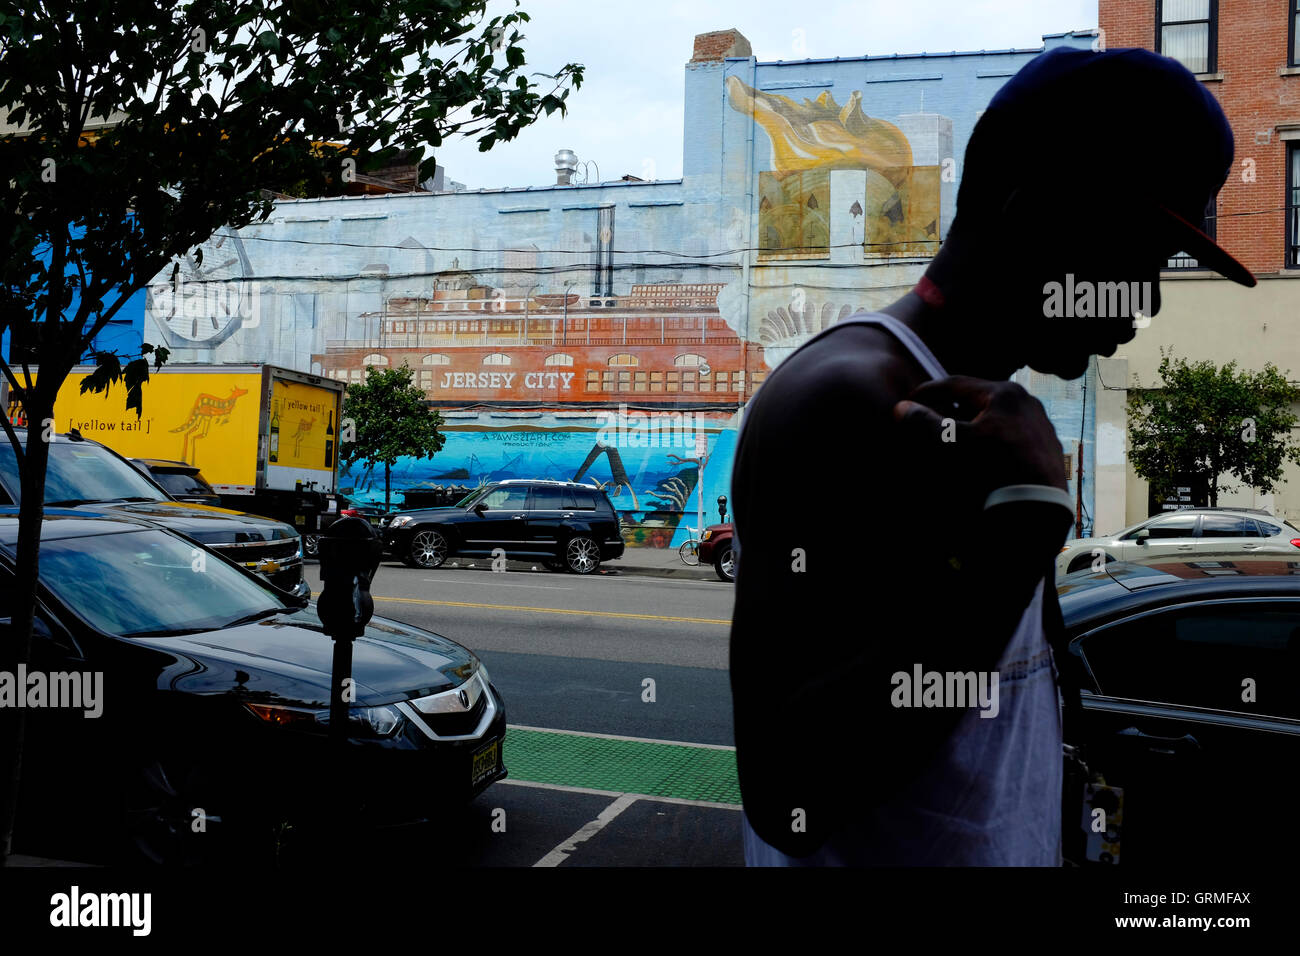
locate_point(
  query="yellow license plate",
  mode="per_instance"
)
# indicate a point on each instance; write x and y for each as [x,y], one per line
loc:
[484,763]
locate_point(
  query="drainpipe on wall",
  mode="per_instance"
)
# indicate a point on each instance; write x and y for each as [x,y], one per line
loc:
[748,249]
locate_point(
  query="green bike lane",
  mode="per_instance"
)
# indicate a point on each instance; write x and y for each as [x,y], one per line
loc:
[646,802]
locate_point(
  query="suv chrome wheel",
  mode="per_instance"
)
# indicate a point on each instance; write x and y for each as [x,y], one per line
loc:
[428,549]
[582,555]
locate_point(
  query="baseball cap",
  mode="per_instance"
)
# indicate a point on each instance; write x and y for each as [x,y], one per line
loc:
[1125,133]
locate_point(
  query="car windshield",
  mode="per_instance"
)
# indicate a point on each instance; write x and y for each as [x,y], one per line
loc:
[179,483]
[150,582]
[80,472]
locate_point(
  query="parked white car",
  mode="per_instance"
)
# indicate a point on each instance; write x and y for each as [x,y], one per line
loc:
[1189,531]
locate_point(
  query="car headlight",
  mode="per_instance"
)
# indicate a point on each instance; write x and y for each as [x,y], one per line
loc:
[364,721]
[708,533]
[382,721]
[400,520]
[482,672]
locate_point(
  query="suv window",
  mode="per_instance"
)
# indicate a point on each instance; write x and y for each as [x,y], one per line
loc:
[510,497]
[180,483]
[1178,526]
[1200,656]
[1228,526]
[547,498]
[579,500]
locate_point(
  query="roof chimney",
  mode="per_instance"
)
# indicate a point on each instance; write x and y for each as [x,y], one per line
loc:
[719,45]
[566,161]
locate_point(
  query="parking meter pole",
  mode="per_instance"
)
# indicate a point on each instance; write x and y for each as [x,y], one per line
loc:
[349,556]
[341,672]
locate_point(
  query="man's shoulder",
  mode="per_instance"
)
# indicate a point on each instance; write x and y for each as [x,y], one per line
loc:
[863,364]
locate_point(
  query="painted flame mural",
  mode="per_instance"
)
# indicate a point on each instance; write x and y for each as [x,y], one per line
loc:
[815,137]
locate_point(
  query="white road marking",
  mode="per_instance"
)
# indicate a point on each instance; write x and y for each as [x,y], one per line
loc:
[587,831]
[502,584]
[639,740]
[649,797]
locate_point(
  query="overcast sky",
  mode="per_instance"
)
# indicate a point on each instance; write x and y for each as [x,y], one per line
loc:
[627,116]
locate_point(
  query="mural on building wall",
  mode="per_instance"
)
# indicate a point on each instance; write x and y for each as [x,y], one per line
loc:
[901,206]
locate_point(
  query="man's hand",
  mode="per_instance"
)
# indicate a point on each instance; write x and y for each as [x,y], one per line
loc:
[990,434]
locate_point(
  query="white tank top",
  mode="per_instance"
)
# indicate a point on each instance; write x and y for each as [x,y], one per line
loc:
[992,794]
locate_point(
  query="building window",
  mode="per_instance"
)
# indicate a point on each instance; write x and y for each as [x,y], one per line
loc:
[1188,31]
[656,381]
[607,384]
[559,358]
[1293,206]
[593,381]
[674,379]
[640,382]
[374,358]
[426,381]
[690,360]
[1294,46]
[1209,226]
[496,358]
[623,358]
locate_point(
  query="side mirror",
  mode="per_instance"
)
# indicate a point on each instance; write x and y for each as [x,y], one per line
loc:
[480,508]
[1141,536]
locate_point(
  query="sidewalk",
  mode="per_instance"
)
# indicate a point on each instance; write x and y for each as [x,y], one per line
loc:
[643,562]
[658,562]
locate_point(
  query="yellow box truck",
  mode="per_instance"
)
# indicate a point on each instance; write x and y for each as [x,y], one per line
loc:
[265,438]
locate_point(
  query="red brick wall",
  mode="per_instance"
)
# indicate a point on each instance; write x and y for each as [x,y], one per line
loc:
[1252,47]
[719,45]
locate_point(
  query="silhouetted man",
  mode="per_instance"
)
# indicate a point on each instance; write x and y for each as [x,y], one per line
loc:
[927,545]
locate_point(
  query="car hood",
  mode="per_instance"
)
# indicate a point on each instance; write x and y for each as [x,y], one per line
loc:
[204,523]
[288,659]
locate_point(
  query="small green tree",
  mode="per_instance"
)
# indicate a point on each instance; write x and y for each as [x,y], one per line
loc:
[386,418]
[1212,420]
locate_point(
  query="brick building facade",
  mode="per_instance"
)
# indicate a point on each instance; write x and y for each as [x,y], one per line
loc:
[1247,53]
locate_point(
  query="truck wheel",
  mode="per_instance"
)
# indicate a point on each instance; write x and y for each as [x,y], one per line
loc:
[582,555]
[311,545]
[725,564]
[429,550]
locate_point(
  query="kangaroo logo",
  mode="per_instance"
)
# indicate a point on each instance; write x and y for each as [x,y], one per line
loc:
[305,426]
[207,410]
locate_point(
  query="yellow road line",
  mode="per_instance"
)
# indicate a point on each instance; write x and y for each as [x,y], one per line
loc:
[556,610]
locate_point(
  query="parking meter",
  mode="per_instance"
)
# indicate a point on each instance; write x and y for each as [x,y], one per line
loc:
[349,557]
[722,508]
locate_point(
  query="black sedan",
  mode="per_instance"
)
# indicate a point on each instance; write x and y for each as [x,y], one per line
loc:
[191,692]
[1190,725]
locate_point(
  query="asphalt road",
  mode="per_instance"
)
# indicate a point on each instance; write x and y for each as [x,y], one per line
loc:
[619,708]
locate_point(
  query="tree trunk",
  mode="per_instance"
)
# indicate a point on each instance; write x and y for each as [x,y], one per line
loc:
[18,640]
[1214,491]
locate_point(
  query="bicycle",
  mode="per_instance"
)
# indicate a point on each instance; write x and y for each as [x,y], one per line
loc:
[689,551]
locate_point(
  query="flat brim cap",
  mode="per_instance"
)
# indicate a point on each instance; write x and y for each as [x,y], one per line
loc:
[1133,133]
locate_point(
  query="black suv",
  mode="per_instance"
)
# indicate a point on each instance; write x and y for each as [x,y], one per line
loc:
[569,526]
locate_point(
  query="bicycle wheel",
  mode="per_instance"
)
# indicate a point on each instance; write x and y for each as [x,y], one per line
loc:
[690,552]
